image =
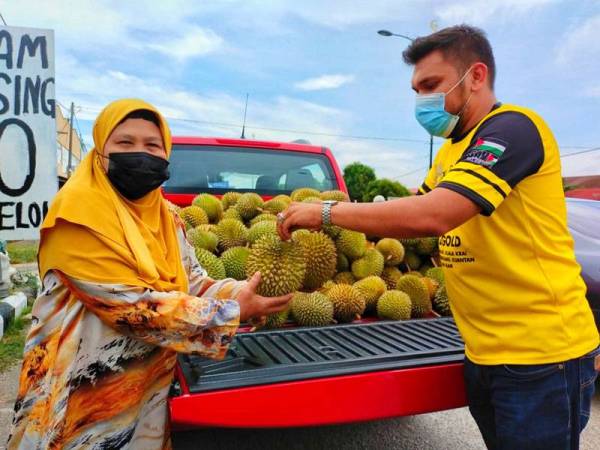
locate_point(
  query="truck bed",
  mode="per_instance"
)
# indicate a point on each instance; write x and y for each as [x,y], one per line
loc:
[421,357]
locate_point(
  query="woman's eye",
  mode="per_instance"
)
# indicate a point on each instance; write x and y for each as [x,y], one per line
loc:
[124,142]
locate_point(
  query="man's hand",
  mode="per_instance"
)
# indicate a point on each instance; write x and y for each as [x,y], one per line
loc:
[253,305]
[299,215]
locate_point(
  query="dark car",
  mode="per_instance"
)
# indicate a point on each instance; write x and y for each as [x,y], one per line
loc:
[584,223]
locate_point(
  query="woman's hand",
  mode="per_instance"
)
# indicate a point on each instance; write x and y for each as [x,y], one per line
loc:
[253,305]
[299,215]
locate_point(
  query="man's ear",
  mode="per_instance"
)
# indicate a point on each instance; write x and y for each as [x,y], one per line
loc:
[479,76]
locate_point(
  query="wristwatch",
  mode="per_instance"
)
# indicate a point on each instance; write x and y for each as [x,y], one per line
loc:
[326,211]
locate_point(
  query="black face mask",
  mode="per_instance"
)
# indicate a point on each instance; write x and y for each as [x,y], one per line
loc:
[135,174]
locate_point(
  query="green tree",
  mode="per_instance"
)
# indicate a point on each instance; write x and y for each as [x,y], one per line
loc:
[385,187]
[357,176]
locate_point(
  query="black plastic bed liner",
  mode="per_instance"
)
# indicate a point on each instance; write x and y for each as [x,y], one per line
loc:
[294,354]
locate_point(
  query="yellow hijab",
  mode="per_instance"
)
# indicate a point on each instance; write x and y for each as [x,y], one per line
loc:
[93,233]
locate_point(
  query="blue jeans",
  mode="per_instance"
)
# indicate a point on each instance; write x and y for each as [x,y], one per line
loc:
[542,406]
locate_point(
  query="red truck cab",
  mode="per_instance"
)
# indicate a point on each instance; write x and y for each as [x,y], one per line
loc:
[361,371]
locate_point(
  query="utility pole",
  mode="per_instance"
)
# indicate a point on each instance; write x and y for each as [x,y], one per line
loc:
[70,167]
[430,150]
[244,125]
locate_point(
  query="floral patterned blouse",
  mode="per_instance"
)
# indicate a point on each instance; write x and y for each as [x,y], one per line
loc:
[99,358]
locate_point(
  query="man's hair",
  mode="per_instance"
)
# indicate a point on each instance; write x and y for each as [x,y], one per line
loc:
[145,114]
[463,45]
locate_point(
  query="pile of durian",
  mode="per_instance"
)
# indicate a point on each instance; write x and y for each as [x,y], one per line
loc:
[336,275]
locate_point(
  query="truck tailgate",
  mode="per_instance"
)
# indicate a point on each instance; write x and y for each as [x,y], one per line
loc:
[274,378]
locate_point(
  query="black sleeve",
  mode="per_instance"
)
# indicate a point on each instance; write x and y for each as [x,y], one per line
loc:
[509,145]
[505,149]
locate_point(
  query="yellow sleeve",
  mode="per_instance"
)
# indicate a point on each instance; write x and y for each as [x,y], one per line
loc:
[477,183]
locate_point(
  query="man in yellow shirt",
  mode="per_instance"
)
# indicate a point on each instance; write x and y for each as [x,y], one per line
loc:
[494,196]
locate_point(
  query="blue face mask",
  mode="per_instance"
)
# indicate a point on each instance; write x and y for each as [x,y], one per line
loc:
[430,111]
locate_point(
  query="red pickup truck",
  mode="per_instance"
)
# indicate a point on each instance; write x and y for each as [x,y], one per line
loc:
[361,371]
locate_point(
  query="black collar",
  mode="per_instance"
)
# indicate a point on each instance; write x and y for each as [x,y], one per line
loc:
[463,135]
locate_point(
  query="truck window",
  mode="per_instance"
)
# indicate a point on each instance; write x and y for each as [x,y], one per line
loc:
[216,170]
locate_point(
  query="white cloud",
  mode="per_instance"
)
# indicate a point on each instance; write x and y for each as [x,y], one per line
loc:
[194,42]
[324,82]
[478,12]
[580,44]
[110,25]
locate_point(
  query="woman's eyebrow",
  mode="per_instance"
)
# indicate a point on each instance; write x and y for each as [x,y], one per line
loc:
[125,136]
[154,139]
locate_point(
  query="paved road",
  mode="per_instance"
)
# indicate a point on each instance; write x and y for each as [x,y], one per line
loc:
[444,430]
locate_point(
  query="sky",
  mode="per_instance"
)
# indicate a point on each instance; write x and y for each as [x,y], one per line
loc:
[318,70]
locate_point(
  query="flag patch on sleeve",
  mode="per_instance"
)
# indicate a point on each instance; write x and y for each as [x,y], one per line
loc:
[484,152]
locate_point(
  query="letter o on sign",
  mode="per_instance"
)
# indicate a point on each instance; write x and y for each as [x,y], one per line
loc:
[31,154]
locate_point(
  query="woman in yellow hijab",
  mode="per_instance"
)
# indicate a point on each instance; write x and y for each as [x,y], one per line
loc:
[122,294]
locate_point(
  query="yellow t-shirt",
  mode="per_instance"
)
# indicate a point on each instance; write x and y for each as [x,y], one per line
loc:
[514,285]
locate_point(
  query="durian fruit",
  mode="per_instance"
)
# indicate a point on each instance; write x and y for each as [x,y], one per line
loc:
[229,199]
[249,205]
[282,265]
[333,231]
[211,227]
[426,246]
[312,310]
[394,305]
[275,206]
[431,285]
[391,276]
[335,195]
[277,320]
[232,213]
[284,198]
[193,216]
[352,244]
[260,229]
[343,265]
[298,234]
[392,251]
[344,278]
[231,233]
[371,263]
[418,293]
[372,288]
[437,273]
[326,286]
[300,194]
[211,205]
[203,239]
[321,258]
[412,260]
[416,273]
[263,217]
[312,200]
[209,262]
[424,268]
[441,304]
[409,243]
[234,261]
[348,302]
[173,207]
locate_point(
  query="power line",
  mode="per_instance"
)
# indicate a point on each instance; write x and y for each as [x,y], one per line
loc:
[589,150]
[3,21]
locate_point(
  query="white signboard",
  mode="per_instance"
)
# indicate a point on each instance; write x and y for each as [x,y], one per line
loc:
[28,178]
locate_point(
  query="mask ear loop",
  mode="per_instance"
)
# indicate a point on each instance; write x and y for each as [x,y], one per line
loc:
[460,113]
[460,81]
